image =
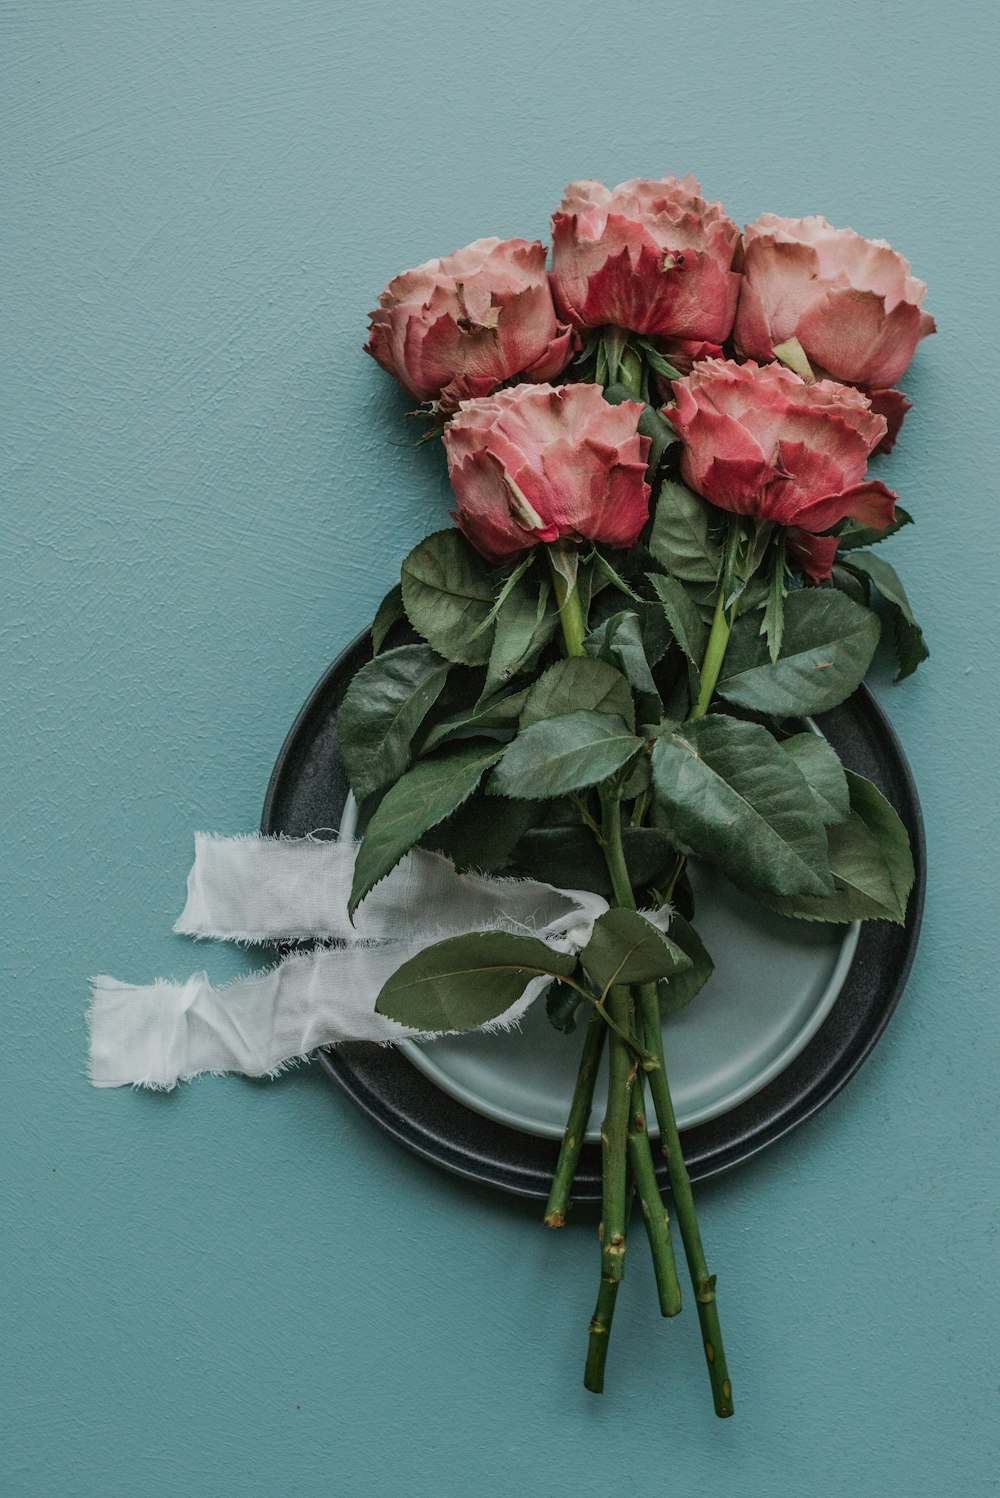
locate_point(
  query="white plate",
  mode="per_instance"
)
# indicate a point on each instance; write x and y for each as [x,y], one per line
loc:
[774,983]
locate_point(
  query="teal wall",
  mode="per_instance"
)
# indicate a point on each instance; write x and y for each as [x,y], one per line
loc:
[244,1289]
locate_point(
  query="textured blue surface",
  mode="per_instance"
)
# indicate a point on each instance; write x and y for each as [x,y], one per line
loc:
[244,1289]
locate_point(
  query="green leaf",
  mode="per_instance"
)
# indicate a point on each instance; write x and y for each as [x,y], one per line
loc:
[826,649]
[625,948]
[657,636]
[730,795]
[467,981]
[383,707]
[689,628]
[561,1004]
[489,713]
[563,754]
[680,540]
[448,594]
[389,611]
[569,857]
[619,641]
[911,647]
[856,535]
[474,837]
[824,774]
[871,862]
[524,626]
[856,587]
[677,992]
[425,795]
[578,684]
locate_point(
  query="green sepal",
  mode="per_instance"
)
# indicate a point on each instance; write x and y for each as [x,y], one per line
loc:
[854,535]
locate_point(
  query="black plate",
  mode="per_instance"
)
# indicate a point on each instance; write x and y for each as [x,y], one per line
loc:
[307,792]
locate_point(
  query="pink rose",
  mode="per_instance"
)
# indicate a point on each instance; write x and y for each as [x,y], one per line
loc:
[760,441]
[851,303]
[459,326]
[652,257]
[537,463]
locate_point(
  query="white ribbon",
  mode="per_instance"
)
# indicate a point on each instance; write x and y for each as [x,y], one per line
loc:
[257,889]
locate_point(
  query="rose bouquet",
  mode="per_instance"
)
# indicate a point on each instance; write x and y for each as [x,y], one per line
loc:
[660,568]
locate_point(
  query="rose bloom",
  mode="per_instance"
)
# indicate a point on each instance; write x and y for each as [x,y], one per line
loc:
[463,324]
[851,303]
[760,441]
[652,257]
[537,463]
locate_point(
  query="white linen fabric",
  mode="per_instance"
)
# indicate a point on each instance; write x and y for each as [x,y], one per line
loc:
[261,889]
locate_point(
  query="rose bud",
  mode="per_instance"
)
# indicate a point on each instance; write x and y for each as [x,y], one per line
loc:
[760,441]
[537,463]
[651,257]
[850,303]
[459,326]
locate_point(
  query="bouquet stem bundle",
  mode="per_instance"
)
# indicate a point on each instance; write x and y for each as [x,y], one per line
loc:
[636,1057]
[698,486]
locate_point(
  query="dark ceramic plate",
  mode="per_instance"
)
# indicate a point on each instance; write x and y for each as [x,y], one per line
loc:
[308,791]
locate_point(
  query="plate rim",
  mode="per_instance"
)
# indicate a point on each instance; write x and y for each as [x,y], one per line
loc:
[424,1126]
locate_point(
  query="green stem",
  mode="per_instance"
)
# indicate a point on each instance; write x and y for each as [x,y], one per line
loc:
[574,626]
[715,653]
[640,1156]
[654,1213]
[680,1182]
[576,1123]
[614,1140]
[680,1188]
[599,1335]
[613,849]
[600,1324]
